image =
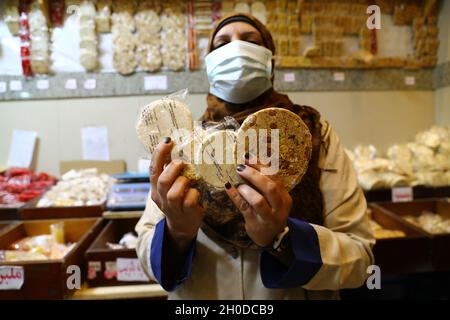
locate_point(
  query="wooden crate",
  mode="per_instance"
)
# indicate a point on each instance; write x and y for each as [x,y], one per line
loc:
[100,257]
[32,212]
[48,279]
[440,242]
[403,255]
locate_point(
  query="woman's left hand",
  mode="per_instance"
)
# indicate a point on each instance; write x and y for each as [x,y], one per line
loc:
[265,204]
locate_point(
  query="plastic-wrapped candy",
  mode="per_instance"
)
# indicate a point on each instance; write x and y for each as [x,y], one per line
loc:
[401,155]
[148,21]
[368,152]
[88,36]
[431,179]
[11,16]
[124,62]
[103,16]
[174,57]
[149,57]
[122,21]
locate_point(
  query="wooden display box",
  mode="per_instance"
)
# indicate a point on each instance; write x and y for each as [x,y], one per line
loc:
[100,257]
[32,212]
[4,225]
[10,213]
[403,255]
[48,279]
[440,242]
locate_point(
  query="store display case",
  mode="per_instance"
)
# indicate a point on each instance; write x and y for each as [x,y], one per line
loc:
[440,242]
[46,279]
[104,262]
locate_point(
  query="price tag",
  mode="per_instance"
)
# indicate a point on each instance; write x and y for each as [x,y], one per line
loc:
[289,77]
[339,76]
[11,277]
[90,84]
[402,194]
[130,270]
[15,85]
[43,84]
[2,86]
[155,83]
[71,84]
[410,81]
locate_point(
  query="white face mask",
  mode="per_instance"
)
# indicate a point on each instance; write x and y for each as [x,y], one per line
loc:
[239,71]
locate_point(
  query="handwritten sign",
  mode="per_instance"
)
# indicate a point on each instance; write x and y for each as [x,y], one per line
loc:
[95,143]
[130,270]
[11,278]
[402,194]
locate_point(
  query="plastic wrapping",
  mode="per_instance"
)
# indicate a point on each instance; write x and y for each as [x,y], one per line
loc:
[156,121]
[40,41]
[174,48]
[103,16]
[88,36]
[11,16]
[148,25]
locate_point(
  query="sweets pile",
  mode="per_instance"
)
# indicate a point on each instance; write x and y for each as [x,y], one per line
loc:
[18,186]
[128,241]
[425,161]
[50,246]
[78,188]
[431,222]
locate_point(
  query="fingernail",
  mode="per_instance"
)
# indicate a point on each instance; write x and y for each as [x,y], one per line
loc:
[227,185]
[247,156]
[166,140]
[240,168]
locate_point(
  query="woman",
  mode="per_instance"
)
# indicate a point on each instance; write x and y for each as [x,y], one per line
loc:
[304,244]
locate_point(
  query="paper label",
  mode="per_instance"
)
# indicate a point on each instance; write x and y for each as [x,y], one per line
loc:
[289,77]
[410,80]
[42,84]
[90,84]
[402,194]
[2,86]
[155,83]
[130,270]
[93,268]
[71,84]
[339,76]
[22,148]
[95,143]
[110,270]
[15,85]
[11,277]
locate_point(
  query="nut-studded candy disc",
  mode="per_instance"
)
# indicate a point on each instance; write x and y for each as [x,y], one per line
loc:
[287,153]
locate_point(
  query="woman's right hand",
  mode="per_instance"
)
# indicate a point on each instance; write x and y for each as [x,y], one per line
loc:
[172,194]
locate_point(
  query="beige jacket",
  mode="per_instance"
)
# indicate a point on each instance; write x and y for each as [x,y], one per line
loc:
[222,272]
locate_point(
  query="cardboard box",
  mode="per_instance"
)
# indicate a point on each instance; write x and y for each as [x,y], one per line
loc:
[103,262]
[109,167]
[440,242]
[403,255]
[48,279]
